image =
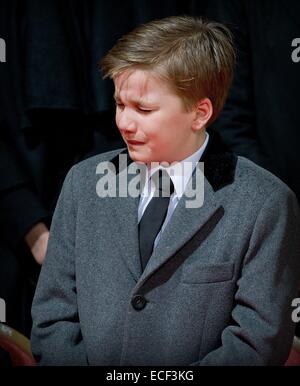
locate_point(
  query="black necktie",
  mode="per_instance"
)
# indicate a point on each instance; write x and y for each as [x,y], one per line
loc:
[154,215]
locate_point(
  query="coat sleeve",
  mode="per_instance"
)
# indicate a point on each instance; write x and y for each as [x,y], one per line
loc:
[56,334]
[261,328]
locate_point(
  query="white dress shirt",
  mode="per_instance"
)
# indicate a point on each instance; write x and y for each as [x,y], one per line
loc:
[180,173]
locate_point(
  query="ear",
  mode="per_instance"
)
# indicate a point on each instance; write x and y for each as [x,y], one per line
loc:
[203,113]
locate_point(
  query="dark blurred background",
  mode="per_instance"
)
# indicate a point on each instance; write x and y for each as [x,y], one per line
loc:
[55,110]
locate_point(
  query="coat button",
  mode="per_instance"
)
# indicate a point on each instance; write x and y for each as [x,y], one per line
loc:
[138,302]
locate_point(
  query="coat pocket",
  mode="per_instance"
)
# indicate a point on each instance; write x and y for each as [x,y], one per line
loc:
[207,273]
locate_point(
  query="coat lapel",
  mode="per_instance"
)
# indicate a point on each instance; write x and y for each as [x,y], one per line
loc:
[184,224]
[125,211]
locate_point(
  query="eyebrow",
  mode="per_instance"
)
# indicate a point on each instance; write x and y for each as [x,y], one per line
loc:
[138,101]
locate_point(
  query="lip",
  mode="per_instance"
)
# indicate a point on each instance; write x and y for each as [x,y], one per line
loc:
[130,142]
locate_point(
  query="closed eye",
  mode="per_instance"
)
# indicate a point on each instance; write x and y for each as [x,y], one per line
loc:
[145,111]
[139,109]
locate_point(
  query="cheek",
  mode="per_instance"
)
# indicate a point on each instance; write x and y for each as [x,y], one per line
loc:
[117,118]
[156,126]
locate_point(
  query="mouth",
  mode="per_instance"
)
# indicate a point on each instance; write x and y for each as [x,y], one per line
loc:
[131,142]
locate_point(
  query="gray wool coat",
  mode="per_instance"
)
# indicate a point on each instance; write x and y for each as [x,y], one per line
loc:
[217,289]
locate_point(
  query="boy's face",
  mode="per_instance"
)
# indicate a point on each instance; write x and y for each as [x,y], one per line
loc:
[152,119]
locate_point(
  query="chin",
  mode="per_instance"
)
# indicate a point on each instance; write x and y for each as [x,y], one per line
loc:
[138,156]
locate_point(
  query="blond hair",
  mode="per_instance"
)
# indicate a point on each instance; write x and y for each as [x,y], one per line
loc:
[195,56]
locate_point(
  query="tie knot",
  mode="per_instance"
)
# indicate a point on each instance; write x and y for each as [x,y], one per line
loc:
[164,186]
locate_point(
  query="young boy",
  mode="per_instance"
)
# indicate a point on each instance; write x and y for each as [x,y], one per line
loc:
[140,279]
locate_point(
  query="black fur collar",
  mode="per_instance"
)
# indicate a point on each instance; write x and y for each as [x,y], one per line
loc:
[219,162]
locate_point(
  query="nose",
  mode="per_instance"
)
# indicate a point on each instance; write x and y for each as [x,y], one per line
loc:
[125,121]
